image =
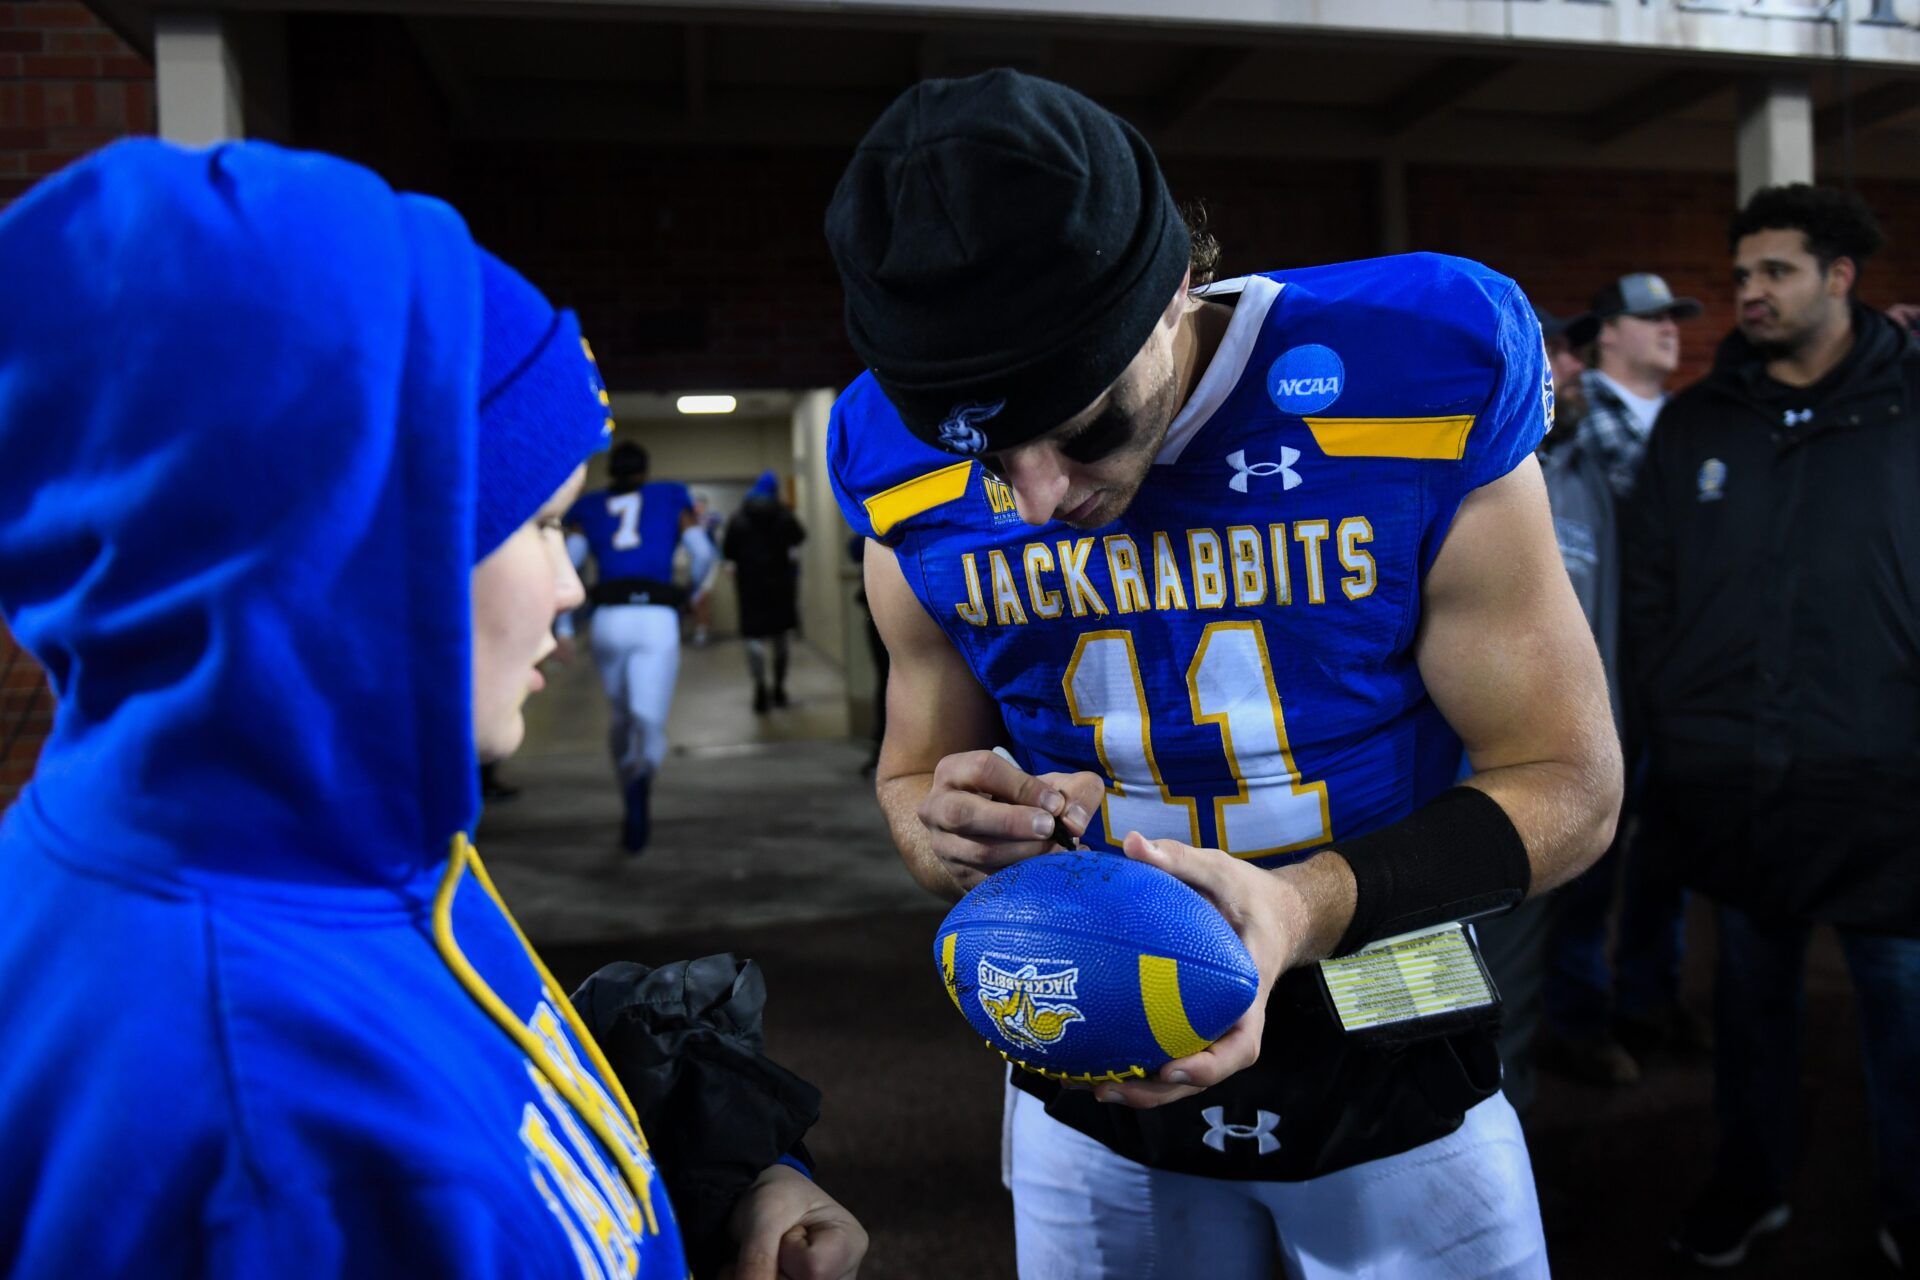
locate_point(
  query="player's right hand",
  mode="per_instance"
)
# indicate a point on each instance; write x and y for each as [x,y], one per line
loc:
[984,812]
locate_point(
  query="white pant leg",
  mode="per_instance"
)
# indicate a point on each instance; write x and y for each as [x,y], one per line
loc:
[1461,1207]
[608,639]
[652,667]
[637,649]
[1080,1212]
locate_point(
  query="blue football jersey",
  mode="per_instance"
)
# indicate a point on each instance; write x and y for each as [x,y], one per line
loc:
[1235,653]
[633,535]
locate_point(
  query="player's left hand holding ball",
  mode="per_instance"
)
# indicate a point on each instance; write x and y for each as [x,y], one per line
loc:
[1274,920]
[789,1229]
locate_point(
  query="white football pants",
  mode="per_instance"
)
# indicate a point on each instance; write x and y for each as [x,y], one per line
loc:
[1460,1207]
[637,649]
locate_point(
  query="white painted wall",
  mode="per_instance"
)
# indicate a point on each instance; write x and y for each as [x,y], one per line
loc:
[196,80]
[1775,134]
[1882,32]
[826,574]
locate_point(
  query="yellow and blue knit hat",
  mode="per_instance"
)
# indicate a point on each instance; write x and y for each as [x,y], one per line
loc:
[543,407]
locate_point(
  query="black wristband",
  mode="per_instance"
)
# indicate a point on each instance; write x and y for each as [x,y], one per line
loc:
[1453,859]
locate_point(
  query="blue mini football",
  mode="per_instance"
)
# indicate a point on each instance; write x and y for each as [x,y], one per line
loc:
[1091,966]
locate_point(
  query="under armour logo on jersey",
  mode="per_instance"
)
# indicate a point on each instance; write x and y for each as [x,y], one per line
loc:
[1797,417]
[1218,1131]
[960,430]
[1244,469]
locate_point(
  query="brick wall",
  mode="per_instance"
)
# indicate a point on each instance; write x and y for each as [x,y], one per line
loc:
[708,269]
[1563,234]
[67,85]
[26,715]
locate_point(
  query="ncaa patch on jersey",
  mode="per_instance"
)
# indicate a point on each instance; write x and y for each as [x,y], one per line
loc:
[1306,379]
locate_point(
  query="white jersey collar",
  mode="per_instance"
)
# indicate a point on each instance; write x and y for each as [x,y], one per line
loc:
[1257,295]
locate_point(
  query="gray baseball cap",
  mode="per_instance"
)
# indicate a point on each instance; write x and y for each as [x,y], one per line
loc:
[1640,294]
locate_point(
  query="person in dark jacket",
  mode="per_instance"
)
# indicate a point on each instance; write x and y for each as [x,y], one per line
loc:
[759,546]
[1772,610]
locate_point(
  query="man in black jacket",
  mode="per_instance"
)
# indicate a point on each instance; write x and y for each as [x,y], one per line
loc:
[1772,609]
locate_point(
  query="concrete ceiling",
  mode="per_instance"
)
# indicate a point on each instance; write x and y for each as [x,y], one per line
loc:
[783,79]
[754,407]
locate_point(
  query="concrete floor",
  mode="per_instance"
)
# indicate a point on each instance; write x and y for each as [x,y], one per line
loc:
[768,844]
[758,820]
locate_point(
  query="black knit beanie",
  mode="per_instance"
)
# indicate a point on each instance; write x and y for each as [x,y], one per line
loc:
[1006,246]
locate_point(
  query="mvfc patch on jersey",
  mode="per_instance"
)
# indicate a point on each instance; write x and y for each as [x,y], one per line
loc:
[1234,655]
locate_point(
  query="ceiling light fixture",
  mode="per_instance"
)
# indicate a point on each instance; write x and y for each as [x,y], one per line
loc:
[706,404]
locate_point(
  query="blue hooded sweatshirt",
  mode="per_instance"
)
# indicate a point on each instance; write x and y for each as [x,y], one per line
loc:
[265,1014]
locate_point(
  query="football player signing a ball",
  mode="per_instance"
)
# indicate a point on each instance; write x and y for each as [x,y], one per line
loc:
[1249,577]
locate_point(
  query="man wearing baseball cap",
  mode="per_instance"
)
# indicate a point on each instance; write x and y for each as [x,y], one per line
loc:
[1601,1019]
[1630,340]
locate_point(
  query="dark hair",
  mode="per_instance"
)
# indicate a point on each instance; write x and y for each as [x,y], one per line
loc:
[628,460]
[1203,258]
[1837,224]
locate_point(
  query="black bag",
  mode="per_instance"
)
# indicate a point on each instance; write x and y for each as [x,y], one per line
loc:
[685,1041]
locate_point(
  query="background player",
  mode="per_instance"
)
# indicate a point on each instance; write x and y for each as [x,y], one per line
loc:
[1245,571]
[632,528]
[759,546]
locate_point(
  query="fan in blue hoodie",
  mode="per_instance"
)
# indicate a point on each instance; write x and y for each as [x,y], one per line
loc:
[282,460]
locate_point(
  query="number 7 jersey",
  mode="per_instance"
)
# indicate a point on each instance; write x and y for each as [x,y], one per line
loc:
[1234,655]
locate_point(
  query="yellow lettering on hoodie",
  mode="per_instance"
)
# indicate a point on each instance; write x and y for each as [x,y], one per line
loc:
[611,1244]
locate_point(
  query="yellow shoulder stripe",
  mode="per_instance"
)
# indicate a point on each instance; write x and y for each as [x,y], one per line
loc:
[1166,1012]
[922,493]
[1437,438]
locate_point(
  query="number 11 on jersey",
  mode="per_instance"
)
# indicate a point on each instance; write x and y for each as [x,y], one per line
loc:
[1230,685]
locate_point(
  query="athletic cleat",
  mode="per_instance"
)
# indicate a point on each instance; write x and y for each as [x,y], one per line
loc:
[1723,1224]
[638,826]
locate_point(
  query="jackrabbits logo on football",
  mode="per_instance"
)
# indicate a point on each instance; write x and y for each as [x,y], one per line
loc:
[1031,1002]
